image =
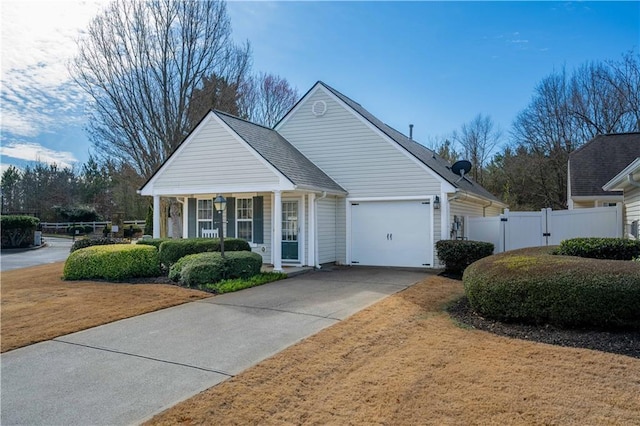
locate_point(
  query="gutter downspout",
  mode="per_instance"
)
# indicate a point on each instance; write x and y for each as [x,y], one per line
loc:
[484,213]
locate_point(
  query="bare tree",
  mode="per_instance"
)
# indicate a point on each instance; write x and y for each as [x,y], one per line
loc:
[140,63]
[267,99]
[625,77]
[597,103]
[478,139]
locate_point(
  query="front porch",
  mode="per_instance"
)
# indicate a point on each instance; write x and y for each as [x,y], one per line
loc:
[281,226]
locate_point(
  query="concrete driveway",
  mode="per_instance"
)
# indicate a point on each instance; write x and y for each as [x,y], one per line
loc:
[129,370]
[56,250]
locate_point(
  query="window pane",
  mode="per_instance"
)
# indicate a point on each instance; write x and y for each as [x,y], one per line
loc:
[205,209]
[245,230]
[245,208]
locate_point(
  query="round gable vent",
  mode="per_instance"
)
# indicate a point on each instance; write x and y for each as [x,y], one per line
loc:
[319,108]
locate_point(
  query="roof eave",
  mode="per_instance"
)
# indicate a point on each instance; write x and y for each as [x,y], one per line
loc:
[620,181]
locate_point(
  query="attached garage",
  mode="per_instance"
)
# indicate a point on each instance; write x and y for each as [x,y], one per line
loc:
[392,233]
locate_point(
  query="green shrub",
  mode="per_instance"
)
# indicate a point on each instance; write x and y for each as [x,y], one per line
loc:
[112,262]
[202,268]
[175,272]
[458,254]
[172,250]
[130,231]
[88,242]
[79,229]
[242,264]
[533,286]
[228,286]
[153,242]
[18,231]
[600,248]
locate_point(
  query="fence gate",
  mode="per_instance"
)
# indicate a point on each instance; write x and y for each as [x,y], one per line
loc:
[514,230]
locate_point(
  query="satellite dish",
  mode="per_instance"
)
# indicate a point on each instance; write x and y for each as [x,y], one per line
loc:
[461,168]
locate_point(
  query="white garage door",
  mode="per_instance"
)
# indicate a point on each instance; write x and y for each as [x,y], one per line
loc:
[391,233]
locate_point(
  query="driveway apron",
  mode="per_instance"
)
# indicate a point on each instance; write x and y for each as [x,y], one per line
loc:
[129,370]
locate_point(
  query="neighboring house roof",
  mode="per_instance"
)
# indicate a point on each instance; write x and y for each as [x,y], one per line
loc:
[281,154]
[595,163]
[421,152]
[628,177]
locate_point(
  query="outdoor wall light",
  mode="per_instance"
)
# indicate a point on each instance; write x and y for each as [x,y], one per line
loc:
[436,203]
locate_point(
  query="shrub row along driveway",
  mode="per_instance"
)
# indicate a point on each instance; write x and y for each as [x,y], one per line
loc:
[126,371]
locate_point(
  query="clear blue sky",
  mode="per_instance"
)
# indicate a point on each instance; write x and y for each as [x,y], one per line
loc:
[433,64]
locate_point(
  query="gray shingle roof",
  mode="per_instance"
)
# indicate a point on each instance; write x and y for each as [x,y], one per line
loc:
[281,154]
[421,152]
[599,160]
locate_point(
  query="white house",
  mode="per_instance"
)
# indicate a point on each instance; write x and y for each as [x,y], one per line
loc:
[330,183]
[628,181]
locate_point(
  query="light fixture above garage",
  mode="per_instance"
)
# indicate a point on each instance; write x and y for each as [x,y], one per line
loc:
[436,203]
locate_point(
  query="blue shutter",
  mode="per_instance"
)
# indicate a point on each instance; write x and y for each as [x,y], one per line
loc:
[231,217]
[192,207]
[258,220]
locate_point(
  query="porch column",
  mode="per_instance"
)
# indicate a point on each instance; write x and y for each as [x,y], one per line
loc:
[156,216]
[277,232]
[185,218]
[312,230]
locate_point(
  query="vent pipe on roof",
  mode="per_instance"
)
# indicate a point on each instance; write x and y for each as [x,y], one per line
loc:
[411,131]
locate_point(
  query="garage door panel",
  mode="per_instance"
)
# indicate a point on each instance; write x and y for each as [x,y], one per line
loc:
[391,233]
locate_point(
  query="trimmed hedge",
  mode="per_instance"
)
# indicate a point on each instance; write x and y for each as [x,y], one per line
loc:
[112,262]
[600,248]
[172,250]
[533,286]
[18,231]
[89,242]
[457,255]
[203,268]
[153,242]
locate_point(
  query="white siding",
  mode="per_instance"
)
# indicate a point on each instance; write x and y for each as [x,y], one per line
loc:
[353,154]
[341,231]
[631,208]
[266,254]
[214,157]
[327,230]
[462,208]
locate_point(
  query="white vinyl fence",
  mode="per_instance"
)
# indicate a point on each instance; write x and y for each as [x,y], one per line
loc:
[513,230]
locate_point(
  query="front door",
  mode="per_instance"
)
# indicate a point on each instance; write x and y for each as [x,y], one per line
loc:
[290,230]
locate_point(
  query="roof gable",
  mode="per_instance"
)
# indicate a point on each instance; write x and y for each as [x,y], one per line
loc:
[423,155]
[281,154]
[269,148]
[598,161]
[213,157]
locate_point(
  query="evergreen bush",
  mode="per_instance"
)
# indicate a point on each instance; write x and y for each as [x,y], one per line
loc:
[112,262]
[18,231]
[172,250]
[534,286]
[600,248]
[456,255]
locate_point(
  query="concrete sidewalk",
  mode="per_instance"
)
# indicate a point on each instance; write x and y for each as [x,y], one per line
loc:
[129,370]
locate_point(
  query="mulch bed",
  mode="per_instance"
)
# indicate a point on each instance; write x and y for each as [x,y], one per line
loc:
[617,342]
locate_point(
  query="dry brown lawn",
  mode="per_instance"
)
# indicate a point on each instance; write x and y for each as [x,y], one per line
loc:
[38,305]
[404,361]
